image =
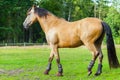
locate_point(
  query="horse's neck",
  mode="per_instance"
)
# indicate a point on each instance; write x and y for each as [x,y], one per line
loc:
[48,22]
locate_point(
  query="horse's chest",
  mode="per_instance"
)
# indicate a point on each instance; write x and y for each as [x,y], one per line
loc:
[52,37]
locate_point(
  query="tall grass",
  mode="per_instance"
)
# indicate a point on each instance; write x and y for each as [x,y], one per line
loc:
[29,64]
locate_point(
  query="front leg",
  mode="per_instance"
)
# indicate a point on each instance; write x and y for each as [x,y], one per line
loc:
[90,67]
[56,54]
[49,63]
[99,71]
[48,69]
[60,69]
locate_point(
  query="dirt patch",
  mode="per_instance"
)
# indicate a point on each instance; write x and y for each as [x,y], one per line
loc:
[11,72]
[15,72]
[2,71]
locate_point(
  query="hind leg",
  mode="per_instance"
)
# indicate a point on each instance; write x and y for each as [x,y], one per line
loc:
[95,54]
[99,70]
[98,44]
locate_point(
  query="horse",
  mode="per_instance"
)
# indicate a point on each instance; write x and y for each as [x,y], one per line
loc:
[63,34]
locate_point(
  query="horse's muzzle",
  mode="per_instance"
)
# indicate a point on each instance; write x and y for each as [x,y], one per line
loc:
[26,26]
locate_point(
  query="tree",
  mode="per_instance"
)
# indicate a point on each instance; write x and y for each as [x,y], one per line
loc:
[12,13]
[113,19]
[101,8]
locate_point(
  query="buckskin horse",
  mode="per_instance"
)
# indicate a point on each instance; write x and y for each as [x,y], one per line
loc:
[63,34]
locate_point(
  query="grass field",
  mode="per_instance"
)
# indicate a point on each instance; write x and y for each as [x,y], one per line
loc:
[23,63]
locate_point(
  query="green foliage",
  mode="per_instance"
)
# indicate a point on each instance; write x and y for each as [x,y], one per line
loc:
[71,10]
[113,19]
[13,13]
[117,40]
[4,31]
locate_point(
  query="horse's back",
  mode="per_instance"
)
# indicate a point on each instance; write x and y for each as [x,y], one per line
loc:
[90,29]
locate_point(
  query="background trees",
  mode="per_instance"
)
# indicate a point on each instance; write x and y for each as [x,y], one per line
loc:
[13,13]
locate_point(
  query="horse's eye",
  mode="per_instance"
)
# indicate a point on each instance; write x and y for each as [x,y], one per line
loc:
[28,14]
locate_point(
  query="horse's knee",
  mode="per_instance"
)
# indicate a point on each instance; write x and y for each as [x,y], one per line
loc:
[50,59]
[101,56]
[95,55]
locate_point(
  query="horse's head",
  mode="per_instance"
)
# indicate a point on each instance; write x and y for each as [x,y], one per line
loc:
[31,17]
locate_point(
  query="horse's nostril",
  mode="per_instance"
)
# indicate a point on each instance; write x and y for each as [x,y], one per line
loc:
[24,24]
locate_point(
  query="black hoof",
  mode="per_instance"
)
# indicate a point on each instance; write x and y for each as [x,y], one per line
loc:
[46,72]
[99,71]
[89,73]
[97,74]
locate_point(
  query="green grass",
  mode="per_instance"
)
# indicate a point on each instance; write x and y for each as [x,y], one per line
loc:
[30,63]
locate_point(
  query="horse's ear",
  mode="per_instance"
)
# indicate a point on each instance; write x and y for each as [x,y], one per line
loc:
[34,6]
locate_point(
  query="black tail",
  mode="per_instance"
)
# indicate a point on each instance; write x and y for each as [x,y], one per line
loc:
[112,57]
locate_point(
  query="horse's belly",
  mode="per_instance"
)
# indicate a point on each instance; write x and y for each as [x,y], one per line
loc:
[70,44]
[76,44]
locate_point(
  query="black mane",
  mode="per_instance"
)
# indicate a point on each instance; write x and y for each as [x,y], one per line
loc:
[41,12]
